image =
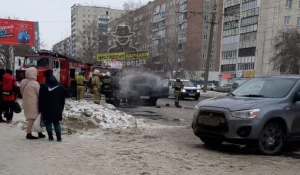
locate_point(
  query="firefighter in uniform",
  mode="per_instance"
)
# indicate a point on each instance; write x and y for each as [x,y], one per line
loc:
[96,85]
[80,85]
[178,86]
[107,89]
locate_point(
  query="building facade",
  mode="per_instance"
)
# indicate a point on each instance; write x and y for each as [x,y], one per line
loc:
[63,47]
[175,38]
[82,16]
[249,29]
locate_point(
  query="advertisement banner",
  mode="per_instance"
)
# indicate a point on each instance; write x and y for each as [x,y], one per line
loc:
[111,56]
[115,64]
[137,55]
[16,32]
[249,73]
[123,56]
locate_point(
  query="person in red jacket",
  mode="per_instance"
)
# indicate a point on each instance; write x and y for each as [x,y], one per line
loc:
[9,86]
[2,72]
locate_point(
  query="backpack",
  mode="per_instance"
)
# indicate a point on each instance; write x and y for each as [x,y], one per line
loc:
[8,87]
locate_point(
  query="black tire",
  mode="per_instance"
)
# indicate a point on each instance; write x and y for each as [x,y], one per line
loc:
[271,140]
[197,98]
[212,142]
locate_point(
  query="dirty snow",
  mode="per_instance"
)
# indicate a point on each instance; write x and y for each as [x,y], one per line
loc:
[86,115]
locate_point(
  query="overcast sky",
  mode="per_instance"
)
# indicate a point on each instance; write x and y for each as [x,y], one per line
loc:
[53,15]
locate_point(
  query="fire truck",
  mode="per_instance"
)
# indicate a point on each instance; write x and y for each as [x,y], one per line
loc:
[64,68]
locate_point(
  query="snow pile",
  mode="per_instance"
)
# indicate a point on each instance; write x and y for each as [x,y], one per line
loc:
[82,116]
[85,115]
[212,94]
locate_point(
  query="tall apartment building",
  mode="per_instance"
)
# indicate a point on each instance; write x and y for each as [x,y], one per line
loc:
[81,17]
[63,47]
[249,29]
[165,33]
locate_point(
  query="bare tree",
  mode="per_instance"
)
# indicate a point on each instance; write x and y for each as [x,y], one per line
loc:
[21,51]
[131,5]
[88,41]
[286,57]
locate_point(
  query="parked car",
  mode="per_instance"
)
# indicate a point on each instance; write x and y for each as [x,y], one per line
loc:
[263,112]
[211,87]
[189,90]
[228,87]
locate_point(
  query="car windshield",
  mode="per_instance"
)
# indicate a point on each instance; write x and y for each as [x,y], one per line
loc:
[37,62]
[266,87]
[188,84]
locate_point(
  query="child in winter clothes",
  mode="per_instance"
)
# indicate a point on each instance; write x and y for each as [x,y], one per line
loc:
[51,104]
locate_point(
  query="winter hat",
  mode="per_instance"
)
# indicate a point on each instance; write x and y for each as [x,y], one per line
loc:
[96,72]
[48,73]
[10,72]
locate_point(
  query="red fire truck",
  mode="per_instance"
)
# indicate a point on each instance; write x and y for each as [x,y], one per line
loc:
[63,67]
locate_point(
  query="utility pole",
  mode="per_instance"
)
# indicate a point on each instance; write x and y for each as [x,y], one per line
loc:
[210,45]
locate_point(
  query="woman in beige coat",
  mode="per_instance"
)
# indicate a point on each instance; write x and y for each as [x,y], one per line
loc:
[30,91]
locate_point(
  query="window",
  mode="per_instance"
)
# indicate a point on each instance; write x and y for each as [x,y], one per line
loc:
[229,54]
[232,10]
[250,5]
[230,39]
[298,21]
[206,17]
[205,27]
[288,3]
[211,65]
[249,21]
[206,7]
[205,37]
[248,36]
[245,66]
[231,25]
[205,46]
[228,67]
[204,56]
[299,5]
[247,52]
[287,20]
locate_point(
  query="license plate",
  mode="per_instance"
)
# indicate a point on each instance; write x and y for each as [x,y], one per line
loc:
[145,97]
[210,121]
[192,94]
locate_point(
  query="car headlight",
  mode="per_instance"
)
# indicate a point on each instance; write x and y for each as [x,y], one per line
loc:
[183,90]
[198,90]
[197,108]
[252,113]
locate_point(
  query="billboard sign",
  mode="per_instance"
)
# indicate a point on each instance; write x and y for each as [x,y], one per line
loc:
[16,32]
[123,56]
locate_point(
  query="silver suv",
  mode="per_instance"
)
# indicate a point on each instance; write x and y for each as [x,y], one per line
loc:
[263,112]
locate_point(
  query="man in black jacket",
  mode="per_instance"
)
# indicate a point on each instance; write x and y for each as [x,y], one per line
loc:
[51,104]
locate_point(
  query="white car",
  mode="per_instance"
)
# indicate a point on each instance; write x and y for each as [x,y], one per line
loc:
[211,87]
[189,90]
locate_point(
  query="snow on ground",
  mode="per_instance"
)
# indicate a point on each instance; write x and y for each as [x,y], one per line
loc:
[86,115]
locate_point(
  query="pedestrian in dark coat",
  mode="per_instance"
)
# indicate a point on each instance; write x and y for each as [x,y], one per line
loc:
[51,104]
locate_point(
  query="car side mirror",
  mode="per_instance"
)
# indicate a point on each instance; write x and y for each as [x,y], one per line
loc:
[297,97]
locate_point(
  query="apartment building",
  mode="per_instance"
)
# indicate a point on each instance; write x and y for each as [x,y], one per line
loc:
[172,35]
[249,29]
[83,15]
[63,47]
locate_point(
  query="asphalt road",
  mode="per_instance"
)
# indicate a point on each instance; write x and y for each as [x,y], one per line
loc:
[186,103]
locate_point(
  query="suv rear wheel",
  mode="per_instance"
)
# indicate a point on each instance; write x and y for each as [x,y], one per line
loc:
[271,139]
[213,142]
